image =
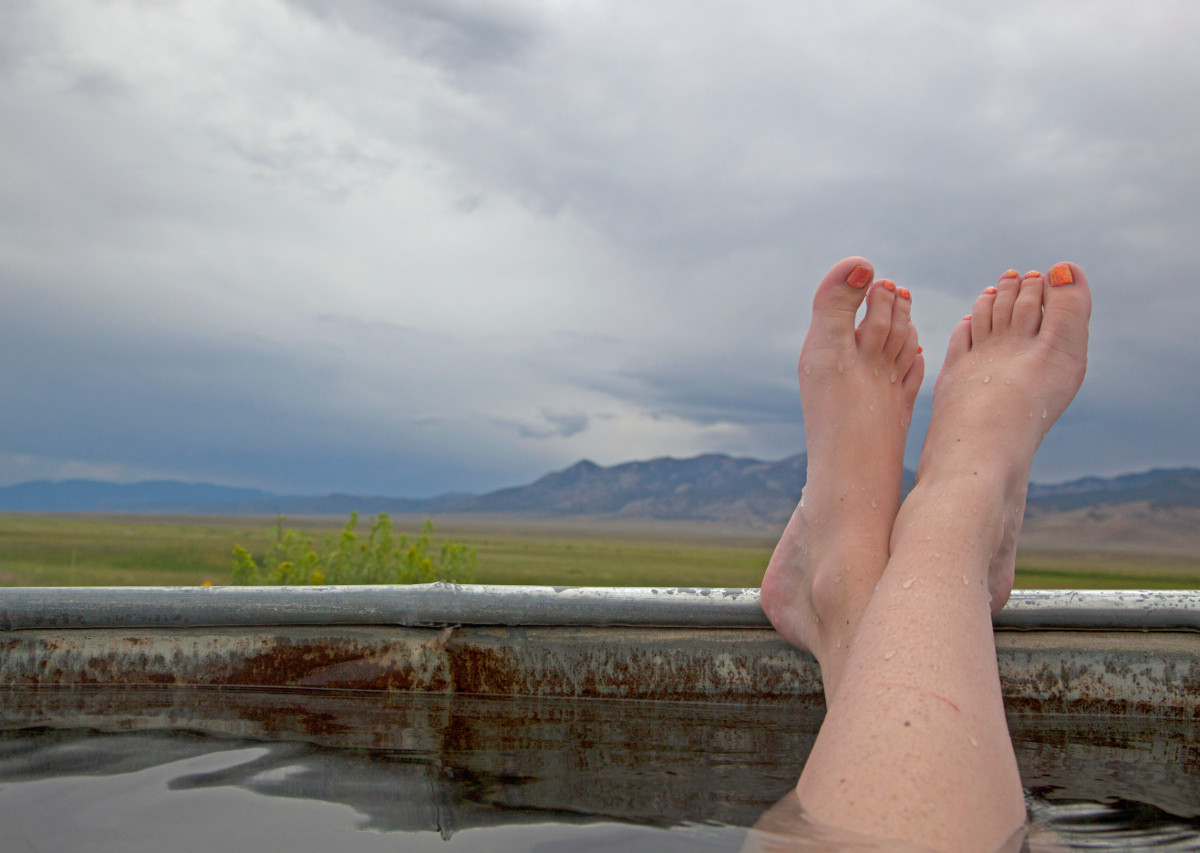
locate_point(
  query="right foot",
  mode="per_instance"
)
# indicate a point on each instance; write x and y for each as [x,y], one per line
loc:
[1012,368]
[857,389]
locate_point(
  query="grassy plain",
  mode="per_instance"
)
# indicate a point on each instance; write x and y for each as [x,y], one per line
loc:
[138,550]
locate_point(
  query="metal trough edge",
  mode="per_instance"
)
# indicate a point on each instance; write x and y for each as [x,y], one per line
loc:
[1060,652]
[1109,672]
[441,604]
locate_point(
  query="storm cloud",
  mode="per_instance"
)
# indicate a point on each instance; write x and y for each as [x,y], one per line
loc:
[427,246]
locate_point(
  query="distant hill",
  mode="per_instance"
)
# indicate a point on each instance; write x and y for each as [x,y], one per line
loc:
[710,487]
[1165,486]
[99,496]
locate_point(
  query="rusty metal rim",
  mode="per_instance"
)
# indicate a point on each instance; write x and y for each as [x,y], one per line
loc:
[440,604]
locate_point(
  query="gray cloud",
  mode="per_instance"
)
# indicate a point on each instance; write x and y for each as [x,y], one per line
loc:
[353,246]
[551,425]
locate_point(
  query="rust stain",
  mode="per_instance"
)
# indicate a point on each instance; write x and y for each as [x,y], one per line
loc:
[1041,672]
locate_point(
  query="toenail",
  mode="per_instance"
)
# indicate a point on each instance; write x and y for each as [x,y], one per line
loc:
[1011,274]
[888,284]
[860,276]
[1030,274]
[989,289]
[1061,274]
[920,349]
[905,293]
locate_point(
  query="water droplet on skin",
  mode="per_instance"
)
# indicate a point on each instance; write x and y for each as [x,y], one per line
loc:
[908,583]
[872,407]
[973,741]
[986,380]
[841,367]
[890,655]
[877,373]
[839,643]
[1031,414]
[990,360]
[1008,382]
[895,376]
[874,503]
[807,369]
[937,555]
[965,581]
[1045,414]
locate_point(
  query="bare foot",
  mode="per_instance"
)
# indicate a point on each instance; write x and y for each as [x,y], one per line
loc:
[857,389]
[1012,368]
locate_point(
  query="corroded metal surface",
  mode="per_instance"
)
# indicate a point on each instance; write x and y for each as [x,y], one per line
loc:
[1048,671]
[1089,672]
[625,663]
[441,604]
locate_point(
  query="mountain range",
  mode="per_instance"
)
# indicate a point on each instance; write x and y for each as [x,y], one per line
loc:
[708,487]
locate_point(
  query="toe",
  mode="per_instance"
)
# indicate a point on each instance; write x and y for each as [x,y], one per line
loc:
[877,322]
[915,373]
[840,293]
[1067,303]
[1006,297]
[901,321]
[908,352]
[960,339]
[981,314]
[1027,310]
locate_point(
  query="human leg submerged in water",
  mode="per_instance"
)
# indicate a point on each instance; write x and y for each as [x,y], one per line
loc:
[914,745]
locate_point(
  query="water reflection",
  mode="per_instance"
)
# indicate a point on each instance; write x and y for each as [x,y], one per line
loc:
[446,767]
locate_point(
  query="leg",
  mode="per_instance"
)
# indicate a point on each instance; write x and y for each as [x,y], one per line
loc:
[914,745]
[857,388]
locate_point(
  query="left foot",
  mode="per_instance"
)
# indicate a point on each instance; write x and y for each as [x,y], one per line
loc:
[857,389]
[1012,367]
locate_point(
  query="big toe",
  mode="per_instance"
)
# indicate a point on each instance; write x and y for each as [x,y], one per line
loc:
[840,293]
[1068,307]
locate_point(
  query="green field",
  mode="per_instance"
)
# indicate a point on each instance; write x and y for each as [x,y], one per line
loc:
[136,550]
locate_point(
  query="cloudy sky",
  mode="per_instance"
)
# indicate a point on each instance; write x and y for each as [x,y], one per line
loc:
[409,247]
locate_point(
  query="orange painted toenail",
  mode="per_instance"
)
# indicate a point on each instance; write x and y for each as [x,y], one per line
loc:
[1011,274]
[1030,274]
[1061,274]
[989,289]
[920,349]
[905,293]
[888,284]
[860,276]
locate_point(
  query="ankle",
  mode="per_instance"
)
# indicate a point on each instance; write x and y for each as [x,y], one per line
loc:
[968,511]
[978,478]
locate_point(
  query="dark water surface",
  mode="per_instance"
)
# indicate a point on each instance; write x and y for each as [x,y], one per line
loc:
[121,769]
